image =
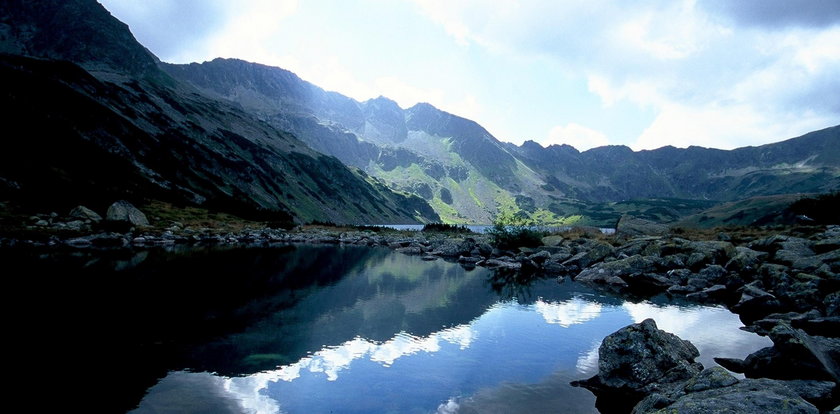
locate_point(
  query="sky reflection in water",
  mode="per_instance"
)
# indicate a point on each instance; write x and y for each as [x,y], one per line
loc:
[512,355]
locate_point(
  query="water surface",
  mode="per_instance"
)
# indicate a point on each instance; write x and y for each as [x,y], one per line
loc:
[319,329]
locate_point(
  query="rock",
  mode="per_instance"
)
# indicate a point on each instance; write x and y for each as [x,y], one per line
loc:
[832,304]
[819,393]
[617,272]
[83,213]
[540,257]
[709,252]
[755,303]
[629,226]
[430,258]
[714,293]
[79,242]
[745,260]
[795,355]
[792,250]
[410,250]
[828,326]
[641,358]
[469,260]
[77,225]
[125,212]
[592,251]
[553,240]
[455,247]
[732,364]
[485,249]
[42,223]
[827,245]
[818,356]
[502,264]
[747,396]
[709,379]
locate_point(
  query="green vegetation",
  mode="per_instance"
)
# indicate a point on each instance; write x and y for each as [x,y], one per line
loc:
[513,230]
[445,228]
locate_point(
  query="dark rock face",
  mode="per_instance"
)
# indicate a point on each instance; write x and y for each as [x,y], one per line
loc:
[641,359]
[123,211]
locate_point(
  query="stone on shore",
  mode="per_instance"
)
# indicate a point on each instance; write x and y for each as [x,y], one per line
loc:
[83,213]
[640,359]
[124,212]
[719,392]
[630,226]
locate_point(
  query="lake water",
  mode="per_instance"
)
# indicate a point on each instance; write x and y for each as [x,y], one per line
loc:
[482,228]
[321,329]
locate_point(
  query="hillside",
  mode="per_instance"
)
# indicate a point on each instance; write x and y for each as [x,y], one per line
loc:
[92,118]
[467,175]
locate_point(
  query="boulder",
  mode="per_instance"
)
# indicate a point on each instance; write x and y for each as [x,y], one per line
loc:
[640,359]
[709,252]
[124,212]
[591,252]
[745,260]
[617,272]
[755,303]
[794,355]
[83,213]
[747,396]
[630,226]
[715,293]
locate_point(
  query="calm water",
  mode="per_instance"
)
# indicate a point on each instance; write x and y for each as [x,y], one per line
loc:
[482,228]
[317,329]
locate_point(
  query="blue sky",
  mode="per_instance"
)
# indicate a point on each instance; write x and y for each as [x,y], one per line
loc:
[713,73]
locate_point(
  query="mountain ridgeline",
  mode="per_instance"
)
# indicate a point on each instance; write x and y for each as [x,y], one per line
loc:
[467,175]
[91,117]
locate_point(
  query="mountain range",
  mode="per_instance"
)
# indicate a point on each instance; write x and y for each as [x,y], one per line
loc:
[468,175]
[98,116]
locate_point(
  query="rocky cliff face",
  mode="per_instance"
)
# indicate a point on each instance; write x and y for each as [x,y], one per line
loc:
[110,124]
[467,175]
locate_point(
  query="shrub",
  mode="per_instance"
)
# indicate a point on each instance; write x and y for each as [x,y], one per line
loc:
[446,228]
[513,231]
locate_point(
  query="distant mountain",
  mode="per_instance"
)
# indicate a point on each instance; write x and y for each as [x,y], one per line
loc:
[90,117]
[467,175]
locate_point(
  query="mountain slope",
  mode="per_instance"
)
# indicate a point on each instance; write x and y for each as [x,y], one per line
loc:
[452,162]
[469,176]
[118,126]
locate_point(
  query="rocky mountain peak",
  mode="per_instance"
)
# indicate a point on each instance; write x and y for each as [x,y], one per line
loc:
[80,31]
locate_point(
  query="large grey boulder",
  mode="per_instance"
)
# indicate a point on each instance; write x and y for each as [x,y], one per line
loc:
[794,355]
[83,213]
[638,272]
[716,391]
[640,359]
[124,212]
[630,226]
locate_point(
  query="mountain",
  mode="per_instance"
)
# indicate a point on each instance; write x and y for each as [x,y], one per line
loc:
[467,175]
[91,117]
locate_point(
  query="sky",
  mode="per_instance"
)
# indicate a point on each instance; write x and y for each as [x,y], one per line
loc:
[649,73]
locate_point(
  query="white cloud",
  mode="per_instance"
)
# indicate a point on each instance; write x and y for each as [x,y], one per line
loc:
[578,136]
[708,80]
[587,363]
[572,312]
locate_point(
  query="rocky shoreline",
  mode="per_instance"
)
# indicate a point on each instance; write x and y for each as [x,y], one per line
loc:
[785,287]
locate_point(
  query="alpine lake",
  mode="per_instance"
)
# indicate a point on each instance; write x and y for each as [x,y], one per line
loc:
[305,328]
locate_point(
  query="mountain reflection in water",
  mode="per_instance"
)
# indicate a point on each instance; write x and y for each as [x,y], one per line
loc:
[303,329]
